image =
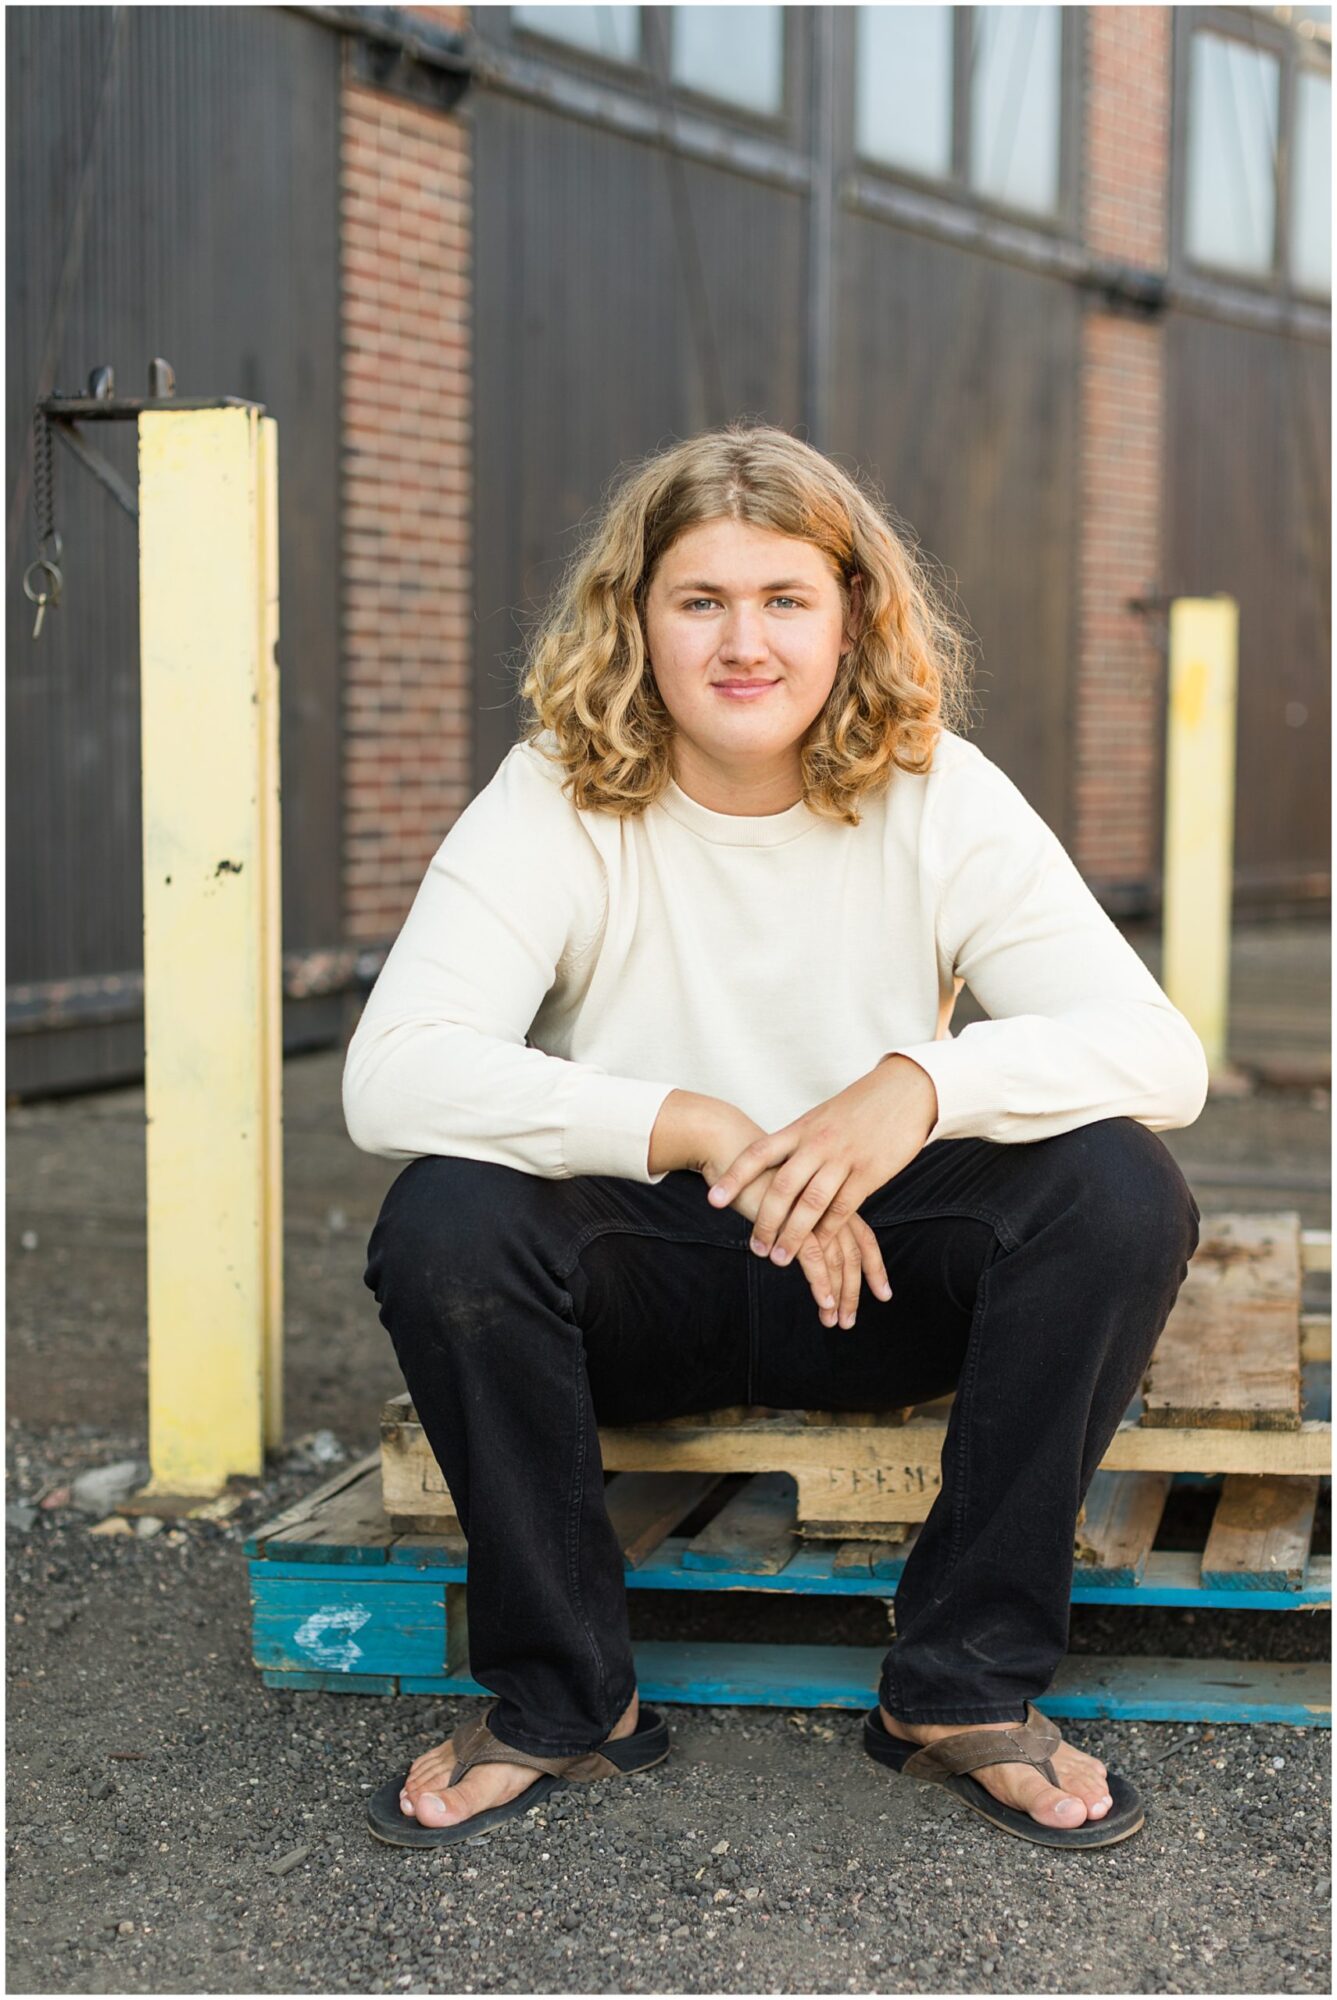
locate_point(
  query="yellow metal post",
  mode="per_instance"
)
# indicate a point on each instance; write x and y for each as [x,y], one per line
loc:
[208,576]
[1200,815]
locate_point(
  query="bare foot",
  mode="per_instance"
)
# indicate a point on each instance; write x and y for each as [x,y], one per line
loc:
[1081,1794]
[430,1798]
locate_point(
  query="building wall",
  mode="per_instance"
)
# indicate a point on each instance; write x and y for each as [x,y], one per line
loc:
[407,469]
[1117,747]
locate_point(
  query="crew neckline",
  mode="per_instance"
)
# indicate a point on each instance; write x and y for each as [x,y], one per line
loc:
[737,829]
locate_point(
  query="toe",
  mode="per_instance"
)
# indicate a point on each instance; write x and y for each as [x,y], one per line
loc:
[1094,1794]
[432,1810]
[1053,1807]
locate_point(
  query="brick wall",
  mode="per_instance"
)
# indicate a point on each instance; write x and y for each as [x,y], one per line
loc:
[406,216]
[1117,807]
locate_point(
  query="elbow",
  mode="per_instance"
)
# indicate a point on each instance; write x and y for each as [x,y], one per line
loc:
[360,1120]
[1186,1085]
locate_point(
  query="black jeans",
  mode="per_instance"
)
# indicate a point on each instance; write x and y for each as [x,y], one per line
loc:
[1032,1279]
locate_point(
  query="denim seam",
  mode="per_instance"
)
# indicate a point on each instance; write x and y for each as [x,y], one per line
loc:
[573,1529]
[974,1344]
[965,1381]
[933,1213]
[597,1229]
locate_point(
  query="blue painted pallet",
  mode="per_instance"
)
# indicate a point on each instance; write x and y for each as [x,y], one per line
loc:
[341,1601]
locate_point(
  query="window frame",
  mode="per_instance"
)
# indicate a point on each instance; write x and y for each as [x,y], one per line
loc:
[526,36]
[1259,28]
[1064,219]
[775,123]
[650,72]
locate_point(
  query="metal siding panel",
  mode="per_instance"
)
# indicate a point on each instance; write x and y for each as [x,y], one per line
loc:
[212,238]
[1249,494]
[957,390]
[586,361]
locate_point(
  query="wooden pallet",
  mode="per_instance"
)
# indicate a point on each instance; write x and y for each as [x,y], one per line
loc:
[1237,1386]
[344,1600]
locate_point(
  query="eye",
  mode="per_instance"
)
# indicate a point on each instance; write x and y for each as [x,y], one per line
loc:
[691,603]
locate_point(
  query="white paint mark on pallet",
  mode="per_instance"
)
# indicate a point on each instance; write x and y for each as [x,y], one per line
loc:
[313,1635]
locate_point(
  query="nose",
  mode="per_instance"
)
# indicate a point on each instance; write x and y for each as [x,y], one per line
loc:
[743,641]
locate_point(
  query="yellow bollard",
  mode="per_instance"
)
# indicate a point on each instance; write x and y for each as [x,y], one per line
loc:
[1200,815]
[209,606]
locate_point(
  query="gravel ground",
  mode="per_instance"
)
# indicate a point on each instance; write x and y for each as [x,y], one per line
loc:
[175,1826]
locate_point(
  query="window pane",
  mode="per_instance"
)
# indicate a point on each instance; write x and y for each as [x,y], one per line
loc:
[607,31]
[1015,105]
[903,75]
[1232,129]
[1311,183]
[736,53]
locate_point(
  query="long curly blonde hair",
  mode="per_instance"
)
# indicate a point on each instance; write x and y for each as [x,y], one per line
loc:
[587,676]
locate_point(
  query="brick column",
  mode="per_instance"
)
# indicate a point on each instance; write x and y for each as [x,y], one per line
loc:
[406,215]
[1117,803]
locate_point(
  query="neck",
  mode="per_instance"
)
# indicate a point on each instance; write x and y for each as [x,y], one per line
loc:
[740,791]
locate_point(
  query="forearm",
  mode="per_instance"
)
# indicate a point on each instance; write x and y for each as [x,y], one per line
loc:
[683,1131]
[913,1078]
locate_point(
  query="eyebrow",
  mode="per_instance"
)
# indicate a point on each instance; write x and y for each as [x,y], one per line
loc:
[718,589]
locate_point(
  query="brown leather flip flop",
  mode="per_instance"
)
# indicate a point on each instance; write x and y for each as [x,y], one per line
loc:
[473,1743]
[950,1759]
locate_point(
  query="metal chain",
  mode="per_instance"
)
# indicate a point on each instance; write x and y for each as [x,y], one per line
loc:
[49,543]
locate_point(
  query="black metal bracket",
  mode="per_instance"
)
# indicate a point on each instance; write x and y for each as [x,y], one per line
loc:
[103,405]
[1132,289]
[392,50]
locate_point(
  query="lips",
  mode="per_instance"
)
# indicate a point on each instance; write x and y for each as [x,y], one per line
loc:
[744,690]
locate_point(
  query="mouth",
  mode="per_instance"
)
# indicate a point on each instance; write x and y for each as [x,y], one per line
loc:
[744,690]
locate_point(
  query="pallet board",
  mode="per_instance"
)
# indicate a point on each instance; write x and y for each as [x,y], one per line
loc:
[1229,1356]
[342,1600]
[361,1587]
[1238,1385]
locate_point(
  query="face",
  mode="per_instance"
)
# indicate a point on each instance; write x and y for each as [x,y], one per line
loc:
[730,602]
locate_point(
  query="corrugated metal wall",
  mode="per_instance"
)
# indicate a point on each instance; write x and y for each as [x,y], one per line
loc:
[212,239]
[949,375]
[1248,512]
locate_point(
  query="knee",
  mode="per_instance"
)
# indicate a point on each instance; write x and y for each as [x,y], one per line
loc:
[441,1225]
[1139,1211]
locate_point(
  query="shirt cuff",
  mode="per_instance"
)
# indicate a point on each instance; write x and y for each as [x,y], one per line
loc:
[967,1086]
[609,1126]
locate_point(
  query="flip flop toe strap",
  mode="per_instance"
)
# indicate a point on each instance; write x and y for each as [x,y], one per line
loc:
[473,1743]
[1031,1742]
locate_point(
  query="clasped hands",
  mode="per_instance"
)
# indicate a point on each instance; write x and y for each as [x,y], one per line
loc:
[801,1186]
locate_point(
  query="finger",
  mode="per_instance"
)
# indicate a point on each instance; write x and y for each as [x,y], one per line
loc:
[818,1203]
[853,1277]
[766,1151]
[870,1251]
[816,1270]
[775,1212]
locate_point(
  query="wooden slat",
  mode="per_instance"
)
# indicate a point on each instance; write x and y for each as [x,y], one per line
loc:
[898,1471]
[1122,1513]
[850,1532]
[1261,1534]
[430,1545]
[870,1558]
[349,1527]
[360,1468]
[1315,1336]
[1316,1249]
[645,1506]
[1229,1357]
[752,1531]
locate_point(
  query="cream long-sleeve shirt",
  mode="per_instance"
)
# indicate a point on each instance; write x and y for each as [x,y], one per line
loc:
[560,972]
